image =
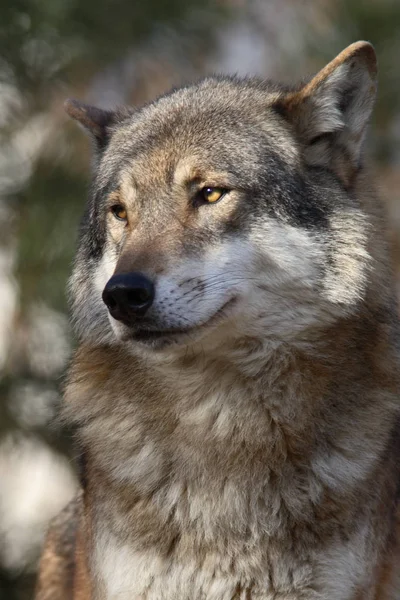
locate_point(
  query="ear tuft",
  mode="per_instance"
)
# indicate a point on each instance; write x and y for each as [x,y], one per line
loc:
[93,119]
[331,112]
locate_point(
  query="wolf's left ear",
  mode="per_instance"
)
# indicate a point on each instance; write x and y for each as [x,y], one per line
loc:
[331,112]
[95,120]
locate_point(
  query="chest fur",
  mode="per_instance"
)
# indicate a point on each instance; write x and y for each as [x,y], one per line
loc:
[219,489]
[122,572]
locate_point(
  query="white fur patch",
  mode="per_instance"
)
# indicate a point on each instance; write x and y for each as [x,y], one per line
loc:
[342,568]
[291,250]
[346,277]
[130,575]
[125,574]
[104,270]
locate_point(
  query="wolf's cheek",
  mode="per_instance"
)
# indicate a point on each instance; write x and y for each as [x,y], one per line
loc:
[89,313]
[294,255]
[104,269]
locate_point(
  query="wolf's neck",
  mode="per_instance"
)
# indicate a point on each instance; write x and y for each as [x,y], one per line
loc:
[200,416]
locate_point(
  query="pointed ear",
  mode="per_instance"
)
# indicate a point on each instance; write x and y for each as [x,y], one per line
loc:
[331,112]
[95,120]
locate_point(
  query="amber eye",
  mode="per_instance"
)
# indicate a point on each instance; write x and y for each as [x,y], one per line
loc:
[119,212]
[212,194]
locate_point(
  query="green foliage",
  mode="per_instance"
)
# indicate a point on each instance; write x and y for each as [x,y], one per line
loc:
[44,39]
[46,233]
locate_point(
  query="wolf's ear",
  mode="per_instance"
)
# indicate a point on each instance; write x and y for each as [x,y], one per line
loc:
[331,112]
[95,120]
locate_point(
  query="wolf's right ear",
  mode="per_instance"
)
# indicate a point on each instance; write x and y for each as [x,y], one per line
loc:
[95,120]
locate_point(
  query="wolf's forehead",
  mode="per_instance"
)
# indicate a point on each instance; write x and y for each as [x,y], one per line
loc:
[216,127]
[198,145]
[202,114]
[165,170]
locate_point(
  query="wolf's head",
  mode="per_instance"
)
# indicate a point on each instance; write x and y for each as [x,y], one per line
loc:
[227,208]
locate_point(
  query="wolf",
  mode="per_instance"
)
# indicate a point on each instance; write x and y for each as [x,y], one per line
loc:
[235,390]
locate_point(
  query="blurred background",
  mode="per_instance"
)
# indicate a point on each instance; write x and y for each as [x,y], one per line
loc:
[109,53]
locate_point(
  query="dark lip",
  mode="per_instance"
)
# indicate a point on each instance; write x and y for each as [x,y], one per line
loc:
[159,335]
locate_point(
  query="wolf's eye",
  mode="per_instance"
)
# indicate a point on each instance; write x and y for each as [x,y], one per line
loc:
[119,212]
[212,194]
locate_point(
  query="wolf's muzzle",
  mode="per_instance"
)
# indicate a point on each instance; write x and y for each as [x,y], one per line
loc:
[128,296]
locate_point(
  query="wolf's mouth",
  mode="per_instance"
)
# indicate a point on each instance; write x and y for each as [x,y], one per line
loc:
[174,334]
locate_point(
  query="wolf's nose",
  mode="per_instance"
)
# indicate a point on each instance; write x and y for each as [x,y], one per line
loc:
[128,295]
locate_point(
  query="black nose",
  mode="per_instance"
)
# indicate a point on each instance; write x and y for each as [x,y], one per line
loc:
[128,296]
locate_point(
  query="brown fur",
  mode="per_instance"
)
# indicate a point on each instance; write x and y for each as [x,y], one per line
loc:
[57,567]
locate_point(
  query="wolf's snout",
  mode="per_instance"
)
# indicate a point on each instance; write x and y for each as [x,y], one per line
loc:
[128,296]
